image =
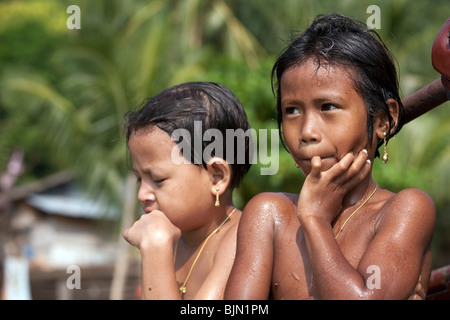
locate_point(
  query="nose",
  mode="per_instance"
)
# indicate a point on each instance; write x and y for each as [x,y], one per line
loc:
[310,130]
[146,195]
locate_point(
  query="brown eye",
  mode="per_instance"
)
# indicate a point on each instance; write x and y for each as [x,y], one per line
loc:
[329,107]
[291,110]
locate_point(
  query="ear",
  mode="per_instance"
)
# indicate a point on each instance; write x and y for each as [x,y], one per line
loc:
[381,123]
[220,174]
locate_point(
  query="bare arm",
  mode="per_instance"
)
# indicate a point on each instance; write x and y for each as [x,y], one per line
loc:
[402,236]
[250,278]
[154,235]
[158,273]
[401,242]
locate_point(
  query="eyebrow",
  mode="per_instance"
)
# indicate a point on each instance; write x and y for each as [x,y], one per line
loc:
[144,170]
[336,98]
[330,98]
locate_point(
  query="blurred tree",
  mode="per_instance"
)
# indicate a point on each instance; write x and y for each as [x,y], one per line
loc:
[27,34]
[124,52]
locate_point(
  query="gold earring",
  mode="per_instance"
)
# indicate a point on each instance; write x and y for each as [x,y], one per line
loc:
[385,156]
[296,165]
[217,203]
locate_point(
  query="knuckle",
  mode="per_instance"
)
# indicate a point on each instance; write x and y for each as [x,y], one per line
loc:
[342,166]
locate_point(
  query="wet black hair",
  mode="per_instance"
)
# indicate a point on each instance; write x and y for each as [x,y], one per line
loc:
[337,39]
[179,107]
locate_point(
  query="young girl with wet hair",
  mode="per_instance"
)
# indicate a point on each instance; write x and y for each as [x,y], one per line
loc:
[187,236]
[343,236]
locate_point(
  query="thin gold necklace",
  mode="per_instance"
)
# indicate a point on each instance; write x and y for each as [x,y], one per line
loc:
[183,286]
[361,205]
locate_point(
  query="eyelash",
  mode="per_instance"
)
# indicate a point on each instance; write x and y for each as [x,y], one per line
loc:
[290,110]
[329,105]
[139,180]
[324,107]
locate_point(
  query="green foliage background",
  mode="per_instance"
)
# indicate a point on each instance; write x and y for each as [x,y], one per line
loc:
[63,92]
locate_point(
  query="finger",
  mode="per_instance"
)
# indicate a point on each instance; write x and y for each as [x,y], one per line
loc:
[316,167]
[358,163]
[125,235]
[342,166]
[361,175]
[349,166]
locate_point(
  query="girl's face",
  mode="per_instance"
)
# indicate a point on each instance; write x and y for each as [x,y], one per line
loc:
[322,114]
[180,191]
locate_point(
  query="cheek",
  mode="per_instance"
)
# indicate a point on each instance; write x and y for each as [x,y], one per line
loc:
[290,136]
[186,200]
[350,139]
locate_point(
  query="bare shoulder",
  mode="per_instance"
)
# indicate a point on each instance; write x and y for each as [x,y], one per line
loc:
[414,202]
[271,203]
[263,212]
[410,209]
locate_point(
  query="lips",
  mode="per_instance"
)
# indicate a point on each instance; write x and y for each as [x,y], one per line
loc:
[147,208]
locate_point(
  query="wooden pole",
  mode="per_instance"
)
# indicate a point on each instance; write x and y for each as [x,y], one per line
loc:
[425,99]
[123,251]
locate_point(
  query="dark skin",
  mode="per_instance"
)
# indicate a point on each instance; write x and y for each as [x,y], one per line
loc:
[286,242]
[187,221]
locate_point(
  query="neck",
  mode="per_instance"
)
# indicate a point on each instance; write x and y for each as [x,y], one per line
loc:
[355,196]
[194,238]
[359,193]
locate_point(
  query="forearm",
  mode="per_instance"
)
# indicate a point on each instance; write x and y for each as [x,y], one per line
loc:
[334,277]
[158,274]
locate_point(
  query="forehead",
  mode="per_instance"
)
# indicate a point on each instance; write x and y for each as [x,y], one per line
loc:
[310,85]
[150,132]
[151,144]
[153,152]
[311,74]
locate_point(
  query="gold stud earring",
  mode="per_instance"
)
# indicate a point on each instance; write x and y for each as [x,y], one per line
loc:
[385,156]
[217,203]
[296,165]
